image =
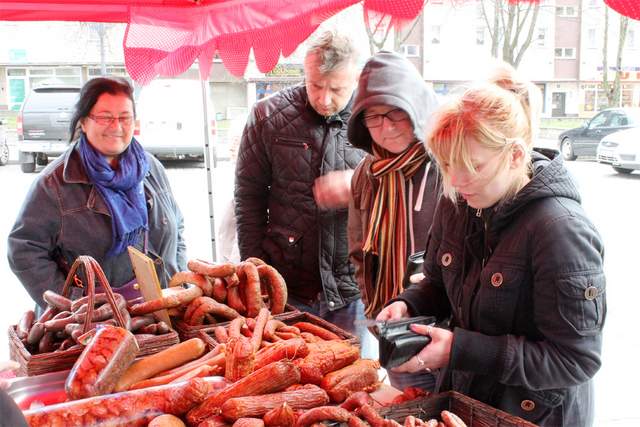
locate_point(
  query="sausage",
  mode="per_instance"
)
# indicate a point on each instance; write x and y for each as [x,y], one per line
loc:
[305,397]
[219,289]
[316,330]
[214,421]
[270,329]
[451,420]
[188,277]
[281,416]
[169,358]
[360,375]
[260,322]
[357,422]
[271,378]
[35,333]
[46,344]
[138,322]
[276,288]
[322,413]
[374,419]
[234,300]
[326,358]
[356,400]
[248,422]
[47,314]
[239,358]
[285,349]
[24,325]
[211,306]
[255,261]
[166,420]
[250,282]
[59,321]
[98,299]
[56,300]
[132,408]
[171,297]
[208,269]
[221,334]
[102,362]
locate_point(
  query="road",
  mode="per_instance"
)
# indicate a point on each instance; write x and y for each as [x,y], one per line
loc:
[611,201]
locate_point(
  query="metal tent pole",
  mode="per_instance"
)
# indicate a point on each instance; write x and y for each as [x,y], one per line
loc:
[209,151]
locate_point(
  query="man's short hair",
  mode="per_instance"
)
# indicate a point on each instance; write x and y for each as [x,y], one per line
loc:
[334,51]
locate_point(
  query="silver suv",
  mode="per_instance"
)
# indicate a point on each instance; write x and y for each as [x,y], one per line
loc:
[43,124]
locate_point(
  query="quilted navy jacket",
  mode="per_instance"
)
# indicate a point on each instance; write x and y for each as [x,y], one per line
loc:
[285,146]
[524,284]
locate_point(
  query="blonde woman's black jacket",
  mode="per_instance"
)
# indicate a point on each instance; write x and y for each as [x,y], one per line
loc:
[525,285]
[285,146]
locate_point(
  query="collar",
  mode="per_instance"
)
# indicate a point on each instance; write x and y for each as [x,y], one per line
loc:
[73,171]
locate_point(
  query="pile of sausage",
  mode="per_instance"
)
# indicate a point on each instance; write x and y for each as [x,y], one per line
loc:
[208,292]
[60,326]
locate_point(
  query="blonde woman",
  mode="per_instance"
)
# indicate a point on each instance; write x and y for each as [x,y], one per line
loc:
[513,259]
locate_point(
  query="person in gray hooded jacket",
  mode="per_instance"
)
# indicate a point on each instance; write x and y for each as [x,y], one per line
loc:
[512,256]
[395,188]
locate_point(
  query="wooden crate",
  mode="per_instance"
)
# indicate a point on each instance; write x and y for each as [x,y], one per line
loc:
[474,413]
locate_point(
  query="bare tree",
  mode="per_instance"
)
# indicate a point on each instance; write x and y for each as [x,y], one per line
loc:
[612,90]
[378,28]
[511,27]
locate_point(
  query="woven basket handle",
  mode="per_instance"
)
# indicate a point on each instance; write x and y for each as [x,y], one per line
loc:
[92,270]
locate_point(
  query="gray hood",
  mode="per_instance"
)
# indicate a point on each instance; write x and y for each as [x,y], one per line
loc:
[390,79]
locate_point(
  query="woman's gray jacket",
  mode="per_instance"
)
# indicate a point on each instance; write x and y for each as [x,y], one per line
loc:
[524,284]
[64,216]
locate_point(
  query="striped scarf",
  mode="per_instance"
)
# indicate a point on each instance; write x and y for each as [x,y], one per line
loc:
[387,234]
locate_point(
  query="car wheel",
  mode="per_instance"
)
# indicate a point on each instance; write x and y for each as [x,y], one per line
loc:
[566,147]
[623,171]
[4,154]
[42,159]
[28,167]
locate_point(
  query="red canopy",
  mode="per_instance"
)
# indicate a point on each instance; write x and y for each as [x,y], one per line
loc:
[166,37]
[630,8]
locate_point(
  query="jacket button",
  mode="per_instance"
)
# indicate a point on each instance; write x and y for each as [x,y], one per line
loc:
[527,405]
[591,293]
[332,304]
[496,280]
[291,239]
[165,221]
[446,259]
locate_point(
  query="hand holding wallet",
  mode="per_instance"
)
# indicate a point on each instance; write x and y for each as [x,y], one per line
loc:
[398,343]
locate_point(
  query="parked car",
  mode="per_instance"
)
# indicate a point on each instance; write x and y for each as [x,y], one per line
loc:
[43,124]
[171,119]
[4,146]
[621,150]
[583,141]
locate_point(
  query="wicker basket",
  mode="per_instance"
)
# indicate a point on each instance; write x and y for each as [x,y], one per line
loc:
[36,364]
[187,331]
[471,411]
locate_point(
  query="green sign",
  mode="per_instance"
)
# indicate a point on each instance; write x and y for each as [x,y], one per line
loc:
[16,93]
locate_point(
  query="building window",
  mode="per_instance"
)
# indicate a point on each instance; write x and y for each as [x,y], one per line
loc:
[566,11]
[565,52]
[631,39]
[410,50]
[480,35]
[541,37]
[435,34]
[591,38]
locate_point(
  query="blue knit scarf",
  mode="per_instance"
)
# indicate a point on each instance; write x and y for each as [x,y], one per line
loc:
[122,190]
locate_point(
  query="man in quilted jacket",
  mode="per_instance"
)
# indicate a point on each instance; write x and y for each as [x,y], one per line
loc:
[292,183]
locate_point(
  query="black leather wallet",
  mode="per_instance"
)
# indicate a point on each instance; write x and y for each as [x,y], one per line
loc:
[397,343]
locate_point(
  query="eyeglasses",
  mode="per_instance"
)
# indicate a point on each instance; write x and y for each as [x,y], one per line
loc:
[108,120]
[375,120]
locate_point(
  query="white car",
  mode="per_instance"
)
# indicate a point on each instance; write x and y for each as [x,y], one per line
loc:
[4,147]
[621,150]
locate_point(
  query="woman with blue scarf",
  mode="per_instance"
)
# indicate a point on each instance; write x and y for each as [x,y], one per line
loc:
[103,194]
